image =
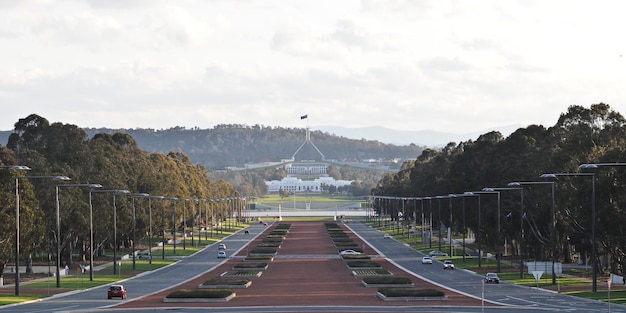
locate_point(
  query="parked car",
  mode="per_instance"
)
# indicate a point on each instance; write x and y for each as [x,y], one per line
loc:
[349,252]
[117,291]
[492,278]
[448,265]
[427,260]
[221,254]
[221,246]
[437,253]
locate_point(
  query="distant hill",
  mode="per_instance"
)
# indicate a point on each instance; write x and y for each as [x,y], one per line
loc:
[236,145]
[429,138]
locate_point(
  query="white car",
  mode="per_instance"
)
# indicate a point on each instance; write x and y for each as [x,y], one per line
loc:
[221,246]
[221,254]
[349,252]
[448,265]
[427,260]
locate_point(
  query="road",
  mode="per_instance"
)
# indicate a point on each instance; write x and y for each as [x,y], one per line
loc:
[516,298]
[148,283]
[471,284]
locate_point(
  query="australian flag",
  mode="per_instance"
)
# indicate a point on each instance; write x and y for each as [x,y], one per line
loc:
[304,116]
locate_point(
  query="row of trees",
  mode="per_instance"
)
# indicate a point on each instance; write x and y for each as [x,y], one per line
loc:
[114,161]
[581,135]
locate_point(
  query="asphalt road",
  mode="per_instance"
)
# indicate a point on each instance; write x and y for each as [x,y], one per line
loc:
[151,282]
[516,298]
[471,283]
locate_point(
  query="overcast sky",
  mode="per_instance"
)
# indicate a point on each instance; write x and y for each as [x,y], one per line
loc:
[453,66]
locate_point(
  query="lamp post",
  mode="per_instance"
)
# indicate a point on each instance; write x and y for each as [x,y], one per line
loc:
[521,259]
[480,252]
[17,224]
[173,199]
[150,226]
[593,167]
[17,218]
[469,194]
[498,255]
[133,196]
[450,196]
[552,225]
[58,233]
[439,220]
[115,192]
[430,221]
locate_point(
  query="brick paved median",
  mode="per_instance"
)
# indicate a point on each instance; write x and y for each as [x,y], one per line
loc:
[306,272]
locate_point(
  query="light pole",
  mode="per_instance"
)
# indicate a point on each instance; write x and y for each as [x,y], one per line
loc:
[115,192]
[17,218]
[470,194]
[150,225]
[133,196]
[480,252]
[450,196]
[58,233]
[552,225]
[17,224]
[593,167]
[521,259]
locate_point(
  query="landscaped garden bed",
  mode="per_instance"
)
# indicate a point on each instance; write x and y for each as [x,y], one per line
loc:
[355,257]
[373,272]
[386,281]
[250,266]
[410,294]
[362,265]
[226,283]
[240,274]
[263,251]
[257,258]
[200,295]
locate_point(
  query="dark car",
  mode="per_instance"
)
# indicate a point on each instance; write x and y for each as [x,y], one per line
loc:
[117,291]
[492,278]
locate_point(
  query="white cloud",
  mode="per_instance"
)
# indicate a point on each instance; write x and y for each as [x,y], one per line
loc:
[405,64]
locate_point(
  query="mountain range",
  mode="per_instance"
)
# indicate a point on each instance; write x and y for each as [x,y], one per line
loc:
[428,138]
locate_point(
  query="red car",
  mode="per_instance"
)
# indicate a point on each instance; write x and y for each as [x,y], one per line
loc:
[116,291]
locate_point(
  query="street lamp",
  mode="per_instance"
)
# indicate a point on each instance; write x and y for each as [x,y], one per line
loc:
[58,233]
[17,220]
[521,259]
[115,192]
[133,196]
[552,225]
[17,224]
[150,225]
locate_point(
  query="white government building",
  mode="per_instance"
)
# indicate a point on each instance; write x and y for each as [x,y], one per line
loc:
[294,184]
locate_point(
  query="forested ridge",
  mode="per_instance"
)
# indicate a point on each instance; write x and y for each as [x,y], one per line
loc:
[233,145]
[441,178]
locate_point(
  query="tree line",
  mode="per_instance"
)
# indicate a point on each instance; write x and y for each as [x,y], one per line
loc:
[112,160]
[581,136]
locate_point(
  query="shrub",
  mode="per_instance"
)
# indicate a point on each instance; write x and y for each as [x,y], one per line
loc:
[363,264]
[226,281]
[249,265]
[263,250]
[342,240]
[361,256]
[410,292]
[373,280]
[201,293]
[279,240]
[259,258]
[269,244]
